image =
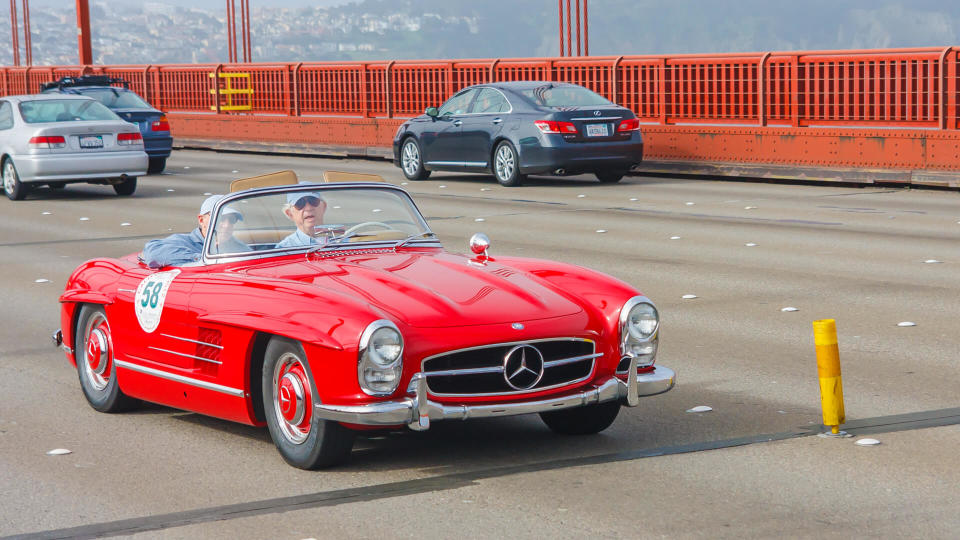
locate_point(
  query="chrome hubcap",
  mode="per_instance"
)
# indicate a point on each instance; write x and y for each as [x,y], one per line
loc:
[504,163]
[97,359]
[8,173]
[291,397]
[411,158]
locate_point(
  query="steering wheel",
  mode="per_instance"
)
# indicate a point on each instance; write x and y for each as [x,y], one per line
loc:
[353,230]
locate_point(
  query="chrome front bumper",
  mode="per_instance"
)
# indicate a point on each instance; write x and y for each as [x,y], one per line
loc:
[417,410]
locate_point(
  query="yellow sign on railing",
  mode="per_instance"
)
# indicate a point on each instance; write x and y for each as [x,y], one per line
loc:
[229,91]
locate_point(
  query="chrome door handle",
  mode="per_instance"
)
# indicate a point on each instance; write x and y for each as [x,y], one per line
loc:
[497,120]
[457,122]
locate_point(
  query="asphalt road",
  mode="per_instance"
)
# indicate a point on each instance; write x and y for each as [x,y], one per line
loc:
[749,468]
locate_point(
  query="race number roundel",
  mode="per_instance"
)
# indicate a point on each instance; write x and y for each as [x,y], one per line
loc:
[148,303]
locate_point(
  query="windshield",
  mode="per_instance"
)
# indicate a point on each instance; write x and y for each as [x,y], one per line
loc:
[64,110]
[564,96]
[316,217]
[116,98]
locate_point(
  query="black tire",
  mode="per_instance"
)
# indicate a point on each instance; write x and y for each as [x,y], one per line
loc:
[97,372]
[506,165]
[582,420]
[126,188]
[157,165]
[609,177]
[12,186]
[411,160]
[306,442]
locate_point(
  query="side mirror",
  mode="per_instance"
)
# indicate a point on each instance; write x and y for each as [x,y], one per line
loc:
[431,112]
[479,243]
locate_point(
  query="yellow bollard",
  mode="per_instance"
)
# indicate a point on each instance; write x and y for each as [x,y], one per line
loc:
[828,369]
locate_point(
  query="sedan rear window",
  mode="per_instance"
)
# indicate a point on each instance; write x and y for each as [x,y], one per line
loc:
[116,98]
[64,110]
[564,96]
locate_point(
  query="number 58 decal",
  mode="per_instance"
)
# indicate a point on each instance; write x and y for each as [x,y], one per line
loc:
[148,302]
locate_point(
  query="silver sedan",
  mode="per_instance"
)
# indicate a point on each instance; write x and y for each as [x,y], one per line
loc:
[58,139]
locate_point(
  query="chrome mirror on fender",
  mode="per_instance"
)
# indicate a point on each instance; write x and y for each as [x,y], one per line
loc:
[479,243]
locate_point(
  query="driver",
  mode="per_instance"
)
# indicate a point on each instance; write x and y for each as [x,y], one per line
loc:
[305,209]
[179,249]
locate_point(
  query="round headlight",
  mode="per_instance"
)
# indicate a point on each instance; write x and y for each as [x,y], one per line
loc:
[386,345]
[642,321]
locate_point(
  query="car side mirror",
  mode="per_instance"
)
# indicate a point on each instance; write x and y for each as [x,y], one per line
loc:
[431,112]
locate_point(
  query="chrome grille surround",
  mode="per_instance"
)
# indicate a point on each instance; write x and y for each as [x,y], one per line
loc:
[558,364]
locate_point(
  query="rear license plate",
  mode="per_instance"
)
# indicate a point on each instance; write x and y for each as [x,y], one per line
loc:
[597,130]
[91,141]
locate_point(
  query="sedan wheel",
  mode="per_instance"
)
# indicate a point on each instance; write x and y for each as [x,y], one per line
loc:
[126,188]
[12,186]
[582,420]
[289,396]
[411,161]
[609,177]
[506,167]
[95,362]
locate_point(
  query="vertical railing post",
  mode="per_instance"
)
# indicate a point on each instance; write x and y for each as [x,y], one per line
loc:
[948,89]
[492,78]
[662,89]
[296,89]
[386,91]
[287,98]
[614,78]
[364,107]
[761,90]
[795,91]
[953,87]
[216,86]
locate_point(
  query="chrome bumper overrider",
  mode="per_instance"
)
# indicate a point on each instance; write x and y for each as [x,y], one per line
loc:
[417,411]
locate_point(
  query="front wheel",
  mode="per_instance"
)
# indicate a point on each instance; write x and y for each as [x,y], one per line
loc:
[506,166]
[411,160]
[582,420]
[609,177]
[289,395]
[95,362]
[126,188]
[12,186]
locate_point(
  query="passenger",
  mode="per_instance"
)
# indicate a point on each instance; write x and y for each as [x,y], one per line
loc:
[305,209]
[179,249]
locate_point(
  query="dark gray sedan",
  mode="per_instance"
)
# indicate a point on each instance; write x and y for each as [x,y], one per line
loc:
[514,129]
[56,139]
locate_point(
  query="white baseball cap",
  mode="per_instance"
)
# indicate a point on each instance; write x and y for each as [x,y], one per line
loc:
[211,201]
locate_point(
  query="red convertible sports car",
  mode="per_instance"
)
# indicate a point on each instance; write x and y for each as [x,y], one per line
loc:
[373,326]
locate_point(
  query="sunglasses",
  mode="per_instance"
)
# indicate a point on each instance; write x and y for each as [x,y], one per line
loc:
[303,201]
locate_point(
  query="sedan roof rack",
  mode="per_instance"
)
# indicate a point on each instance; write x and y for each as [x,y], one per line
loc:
[84,80]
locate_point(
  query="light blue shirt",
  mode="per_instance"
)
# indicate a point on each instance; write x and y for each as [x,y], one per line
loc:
[298,238]
[174,250]
[180,249]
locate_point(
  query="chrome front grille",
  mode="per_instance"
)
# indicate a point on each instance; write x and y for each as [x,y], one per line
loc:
[480,371]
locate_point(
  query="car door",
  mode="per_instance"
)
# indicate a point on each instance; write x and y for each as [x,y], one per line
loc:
[6,125]
[482,126]
[440,140]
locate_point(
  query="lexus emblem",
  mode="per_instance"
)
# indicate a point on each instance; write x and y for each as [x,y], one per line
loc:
[523,367]
[596,113]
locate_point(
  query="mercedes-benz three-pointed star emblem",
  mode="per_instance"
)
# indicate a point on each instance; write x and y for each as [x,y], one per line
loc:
[523,367]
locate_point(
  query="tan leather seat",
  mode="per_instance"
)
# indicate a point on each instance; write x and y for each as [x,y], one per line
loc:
[341,176]
[255,236]
[279,178]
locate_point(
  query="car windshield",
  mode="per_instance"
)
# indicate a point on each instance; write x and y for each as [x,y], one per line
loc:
[64,110]
[317,216]
[564,96]
[116,98]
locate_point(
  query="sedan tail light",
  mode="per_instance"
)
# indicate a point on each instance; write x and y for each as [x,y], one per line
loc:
[160,125]
[126,139]
[630,124]
[553,126]
[55,141]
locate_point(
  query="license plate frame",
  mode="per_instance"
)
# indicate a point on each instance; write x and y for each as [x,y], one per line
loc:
[598,130]
[91,141]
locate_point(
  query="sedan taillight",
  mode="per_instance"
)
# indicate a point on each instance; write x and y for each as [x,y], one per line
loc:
[553,126]
[160,125]
[630,124]
[127,139]
[55,141]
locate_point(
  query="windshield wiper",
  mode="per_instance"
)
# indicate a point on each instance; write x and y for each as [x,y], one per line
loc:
[412,237]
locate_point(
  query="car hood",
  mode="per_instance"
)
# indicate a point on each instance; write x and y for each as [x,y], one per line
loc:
[431,289]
